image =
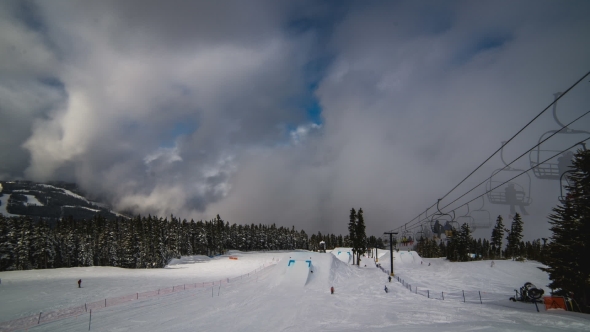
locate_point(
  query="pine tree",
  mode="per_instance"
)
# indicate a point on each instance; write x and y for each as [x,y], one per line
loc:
[361,236]
[497,236]
[568,250]
[463,242]
[352,231]
[514,237]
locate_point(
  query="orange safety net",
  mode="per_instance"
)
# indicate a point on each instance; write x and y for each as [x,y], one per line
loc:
[554,302]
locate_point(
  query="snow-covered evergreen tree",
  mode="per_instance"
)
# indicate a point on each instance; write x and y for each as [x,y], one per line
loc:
[569,249]
[514,237]
[497,236]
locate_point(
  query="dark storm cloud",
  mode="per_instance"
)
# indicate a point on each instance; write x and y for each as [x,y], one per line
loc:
[200,109]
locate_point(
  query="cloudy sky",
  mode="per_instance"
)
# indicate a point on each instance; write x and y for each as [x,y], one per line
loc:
[289,112]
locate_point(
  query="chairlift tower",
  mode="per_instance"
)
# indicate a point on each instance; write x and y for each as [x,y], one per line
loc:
[391,250]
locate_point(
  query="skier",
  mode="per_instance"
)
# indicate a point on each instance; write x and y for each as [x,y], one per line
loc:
[332,290]
[80,283]
[389,278]
[492,264]
[386,290]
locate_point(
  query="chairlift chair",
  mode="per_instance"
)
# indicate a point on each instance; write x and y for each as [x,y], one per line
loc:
[466,219]
[553,169]
[481,217]
[450,227]
[419,234]
[508,192]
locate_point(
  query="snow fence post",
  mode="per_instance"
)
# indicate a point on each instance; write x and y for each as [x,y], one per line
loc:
[443,295]
[428,291]
[105,303]
[480,297]
[463,296]
[90,320]
[85,307]
[39,320]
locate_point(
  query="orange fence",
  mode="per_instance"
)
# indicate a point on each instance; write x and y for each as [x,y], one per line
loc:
[41,318]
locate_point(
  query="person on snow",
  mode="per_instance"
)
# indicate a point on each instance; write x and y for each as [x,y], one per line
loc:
[389,278]
[332,290]
[386,290]
[80,283]
[492,264]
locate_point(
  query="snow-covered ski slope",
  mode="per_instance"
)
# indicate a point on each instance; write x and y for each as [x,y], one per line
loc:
[287,297]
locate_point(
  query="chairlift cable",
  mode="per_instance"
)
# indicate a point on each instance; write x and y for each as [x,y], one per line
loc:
[522,155]
[517,133]
[500,149]
[514,177]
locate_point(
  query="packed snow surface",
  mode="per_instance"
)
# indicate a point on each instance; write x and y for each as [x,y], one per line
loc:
[290,291]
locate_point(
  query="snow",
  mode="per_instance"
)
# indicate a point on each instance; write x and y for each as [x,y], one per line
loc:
[65,191]
[32,200]
[81,207]
[283,297]
[3,202]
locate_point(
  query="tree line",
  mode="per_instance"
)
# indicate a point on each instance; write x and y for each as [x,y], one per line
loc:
[462,247]
[140,242]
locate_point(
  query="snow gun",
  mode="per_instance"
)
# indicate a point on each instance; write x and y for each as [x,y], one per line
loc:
[528,293]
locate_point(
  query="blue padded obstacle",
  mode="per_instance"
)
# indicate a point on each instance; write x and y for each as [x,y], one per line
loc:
[292,262]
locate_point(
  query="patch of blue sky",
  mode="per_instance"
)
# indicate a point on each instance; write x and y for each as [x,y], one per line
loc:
[52,82]
[180,128]
[479,46]
[28,13]
[435,19]
[314,72]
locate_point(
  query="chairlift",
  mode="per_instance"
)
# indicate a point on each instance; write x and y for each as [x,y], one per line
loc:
[466,219]
[509,192]
[419,234]
[406,238]
[450,228]
[481,217]
[553,169]
[450,223]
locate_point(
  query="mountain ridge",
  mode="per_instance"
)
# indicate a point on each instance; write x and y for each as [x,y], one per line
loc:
[52,200]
